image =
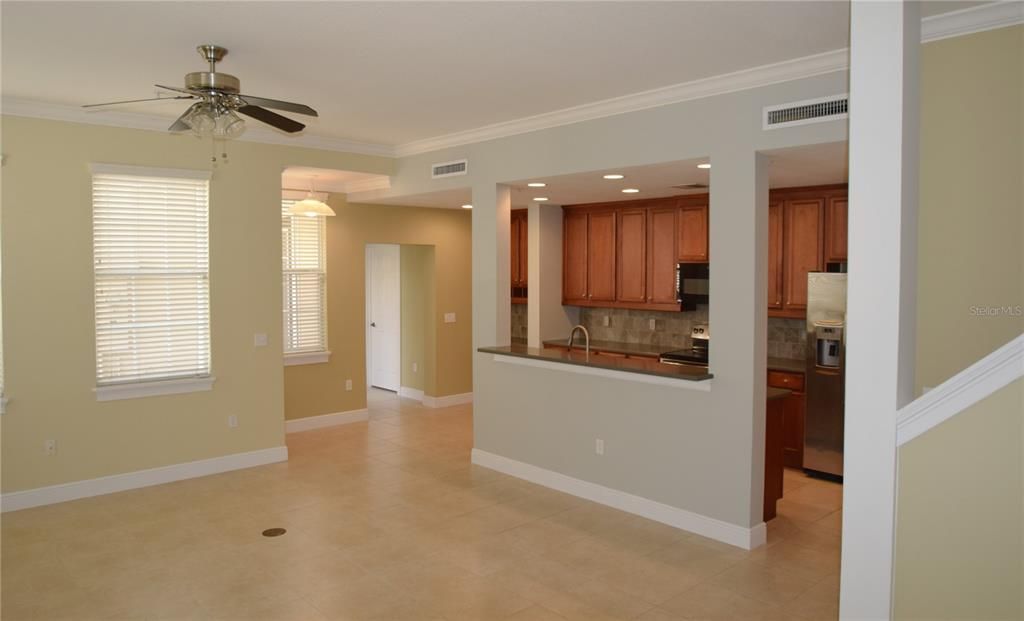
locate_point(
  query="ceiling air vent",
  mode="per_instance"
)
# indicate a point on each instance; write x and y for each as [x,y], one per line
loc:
[804,112]
[691,186]
[448,169]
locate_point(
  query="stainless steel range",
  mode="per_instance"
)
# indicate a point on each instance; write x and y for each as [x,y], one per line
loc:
[697,355]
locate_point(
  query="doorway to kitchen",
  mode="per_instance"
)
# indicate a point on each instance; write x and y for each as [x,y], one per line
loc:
[383,316]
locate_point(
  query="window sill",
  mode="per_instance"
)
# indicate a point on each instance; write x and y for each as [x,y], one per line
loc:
[309,357]
[137,390]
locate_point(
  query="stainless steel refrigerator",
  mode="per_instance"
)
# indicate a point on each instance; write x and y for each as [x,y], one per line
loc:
[826,371]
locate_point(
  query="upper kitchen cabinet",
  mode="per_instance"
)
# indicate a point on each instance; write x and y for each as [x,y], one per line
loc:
[835,226]
[588,257]
[693,230]
[803,225]
[631,267]
[519,246]
[601,245]
[806,232]
[574,257]
[661,256]
[775,256]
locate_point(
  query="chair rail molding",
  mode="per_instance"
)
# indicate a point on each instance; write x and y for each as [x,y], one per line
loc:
[961,391]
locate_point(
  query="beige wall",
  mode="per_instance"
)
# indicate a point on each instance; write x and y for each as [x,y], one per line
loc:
[312,390]
[417,274]
[972,199]
[958,533]
[48,304]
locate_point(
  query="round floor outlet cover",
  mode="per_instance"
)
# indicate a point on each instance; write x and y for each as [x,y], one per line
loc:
[274,532]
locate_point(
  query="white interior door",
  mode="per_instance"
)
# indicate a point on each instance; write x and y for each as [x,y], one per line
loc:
[384,316]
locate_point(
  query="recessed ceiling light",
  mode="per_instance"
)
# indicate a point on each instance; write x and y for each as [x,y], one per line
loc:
[630,191]
[704,166]
[615,176]
[536,184]
[467,206]
[540,199]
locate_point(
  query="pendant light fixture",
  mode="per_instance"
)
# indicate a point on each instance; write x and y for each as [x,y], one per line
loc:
[310,206]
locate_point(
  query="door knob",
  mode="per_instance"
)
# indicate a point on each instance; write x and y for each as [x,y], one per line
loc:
[373,324]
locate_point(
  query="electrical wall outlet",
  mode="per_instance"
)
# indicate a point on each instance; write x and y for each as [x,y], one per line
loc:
[259,339]
[599,446]
[348,384]
[415,367]
[606,321]
[653,323]
[50,447]
[449,317]
[232,421]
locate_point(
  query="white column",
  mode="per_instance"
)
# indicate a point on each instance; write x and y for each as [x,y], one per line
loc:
[738,313]
[547,318]
[884,44]
[492,279]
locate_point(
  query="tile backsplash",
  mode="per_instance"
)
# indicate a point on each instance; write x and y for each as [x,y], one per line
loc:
[787,338]
[634,326]
[519,319]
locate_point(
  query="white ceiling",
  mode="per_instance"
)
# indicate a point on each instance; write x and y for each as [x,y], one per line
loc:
[799,166]
[328,180]
[390,73]
[394,72]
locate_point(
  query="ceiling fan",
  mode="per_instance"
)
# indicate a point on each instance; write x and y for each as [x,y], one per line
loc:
[217,101]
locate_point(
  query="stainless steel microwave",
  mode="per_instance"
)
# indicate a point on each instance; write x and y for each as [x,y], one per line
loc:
[692,285]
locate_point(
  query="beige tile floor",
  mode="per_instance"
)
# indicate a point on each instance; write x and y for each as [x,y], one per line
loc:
[388,520]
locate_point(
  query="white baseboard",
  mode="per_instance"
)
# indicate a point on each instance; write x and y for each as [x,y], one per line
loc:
[410,393]
[746,538]
[448,400]
[325,420]
[38,497]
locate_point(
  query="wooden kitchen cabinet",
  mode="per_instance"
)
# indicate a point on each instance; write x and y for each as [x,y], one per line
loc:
[519,246]
[574,257]
[836,229]
[793,414]
[803,233]
[661,256]
[775,256]
[631,266]
[601,242]
[693,233]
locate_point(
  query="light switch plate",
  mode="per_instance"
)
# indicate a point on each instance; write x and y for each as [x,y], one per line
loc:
[449,317]
[259,339]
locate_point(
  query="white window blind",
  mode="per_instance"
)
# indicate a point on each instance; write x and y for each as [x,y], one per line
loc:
[151,262]
[304,282]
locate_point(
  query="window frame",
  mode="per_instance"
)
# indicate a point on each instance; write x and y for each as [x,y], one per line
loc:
[116,389]
[299,357]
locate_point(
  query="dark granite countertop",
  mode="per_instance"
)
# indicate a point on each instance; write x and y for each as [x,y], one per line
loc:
[630,349]
[778,393]
[643,365]
[787,364]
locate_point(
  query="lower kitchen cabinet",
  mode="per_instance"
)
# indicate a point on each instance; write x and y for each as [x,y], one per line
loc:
[793,413]
[773,455]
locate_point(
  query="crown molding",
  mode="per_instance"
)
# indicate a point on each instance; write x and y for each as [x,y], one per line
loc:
[808,66]
[133,120]
[971,20]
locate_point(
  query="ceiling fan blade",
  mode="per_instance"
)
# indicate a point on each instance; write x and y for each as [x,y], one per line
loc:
[179,124]
[276,104]
[128,101]
[174,88]
[272,118]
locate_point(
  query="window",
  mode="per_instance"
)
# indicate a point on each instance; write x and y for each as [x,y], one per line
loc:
[304,287]
[152,289]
